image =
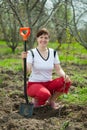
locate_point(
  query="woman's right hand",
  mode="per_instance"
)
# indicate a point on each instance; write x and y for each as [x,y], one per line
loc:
[24,54]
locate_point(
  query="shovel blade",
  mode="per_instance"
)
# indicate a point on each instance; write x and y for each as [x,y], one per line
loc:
[26,110]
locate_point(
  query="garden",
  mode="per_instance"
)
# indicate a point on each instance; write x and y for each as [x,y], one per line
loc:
[72,116]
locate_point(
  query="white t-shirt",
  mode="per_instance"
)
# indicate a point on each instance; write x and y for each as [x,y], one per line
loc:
[42,68]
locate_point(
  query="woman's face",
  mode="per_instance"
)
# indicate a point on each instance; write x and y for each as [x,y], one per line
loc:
[43,40]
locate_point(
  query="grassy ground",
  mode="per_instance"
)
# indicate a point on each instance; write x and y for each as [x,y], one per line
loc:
[73,58]
[72,116]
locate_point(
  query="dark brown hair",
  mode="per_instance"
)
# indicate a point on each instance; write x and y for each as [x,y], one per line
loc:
[42,31]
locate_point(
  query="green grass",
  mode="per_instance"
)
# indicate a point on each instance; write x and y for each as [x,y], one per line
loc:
[77,97]
[73,53]
[5,50]
[10,60]
[78,77]
[11,64]
[53,45]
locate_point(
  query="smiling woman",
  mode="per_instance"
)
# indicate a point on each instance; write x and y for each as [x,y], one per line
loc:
[42,40]
[41,86]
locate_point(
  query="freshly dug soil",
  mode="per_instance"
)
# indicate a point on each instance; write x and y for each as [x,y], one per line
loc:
[68,117]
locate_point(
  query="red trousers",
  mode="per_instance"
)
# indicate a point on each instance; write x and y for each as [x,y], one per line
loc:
[43,90]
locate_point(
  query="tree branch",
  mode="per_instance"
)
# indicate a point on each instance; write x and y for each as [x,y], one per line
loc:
[34,5]
[15,11]
[82,42]
[40,12]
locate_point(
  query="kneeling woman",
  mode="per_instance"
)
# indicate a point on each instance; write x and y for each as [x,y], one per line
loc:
[41,61]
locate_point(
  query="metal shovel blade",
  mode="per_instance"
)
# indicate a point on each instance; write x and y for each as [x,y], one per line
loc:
[26,110]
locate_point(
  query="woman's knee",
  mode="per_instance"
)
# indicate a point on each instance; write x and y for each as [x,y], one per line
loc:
[33,89]
[43,94]
[38,91]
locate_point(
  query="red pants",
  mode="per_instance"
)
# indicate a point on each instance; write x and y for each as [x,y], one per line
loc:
[43,90]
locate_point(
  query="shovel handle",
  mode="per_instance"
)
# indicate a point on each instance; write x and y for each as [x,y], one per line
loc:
[26,34]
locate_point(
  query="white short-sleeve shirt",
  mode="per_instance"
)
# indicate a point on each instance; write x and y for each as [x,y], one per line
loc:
[42,68]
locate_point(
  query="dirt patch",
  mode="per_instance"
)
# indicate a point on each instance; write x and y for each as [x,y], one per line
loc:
[69,117]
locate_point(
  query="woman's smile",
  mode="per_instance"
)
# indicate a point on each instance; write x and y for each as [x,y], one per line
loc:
[43,39]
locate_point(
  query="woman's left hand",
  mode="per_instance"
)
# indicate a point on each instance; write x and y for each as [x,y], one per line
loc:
[67,79]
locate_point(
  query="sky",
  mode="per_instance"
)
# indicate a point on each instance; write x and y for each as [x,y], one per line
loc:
[79,8]
[49,4]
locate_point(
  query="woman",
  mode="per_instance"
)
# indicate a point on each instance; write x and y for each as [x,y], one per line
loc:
[40,64]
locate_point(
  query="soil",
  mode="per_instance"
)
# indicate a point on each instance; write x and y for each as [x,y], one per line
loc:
[68,117]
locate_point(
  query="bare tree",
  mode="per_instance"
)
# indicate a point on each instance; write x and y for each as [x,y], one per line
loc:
[75,24]
[60,20]
[9,27]
[36,14]
[30,13]
[69,19]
